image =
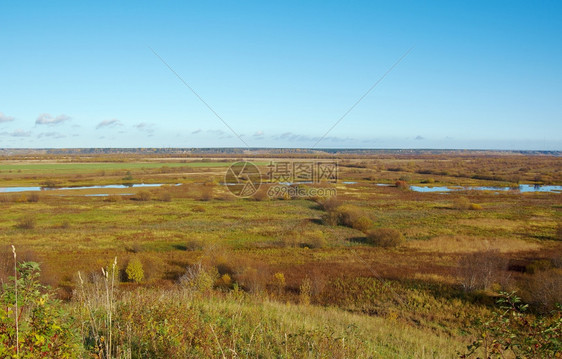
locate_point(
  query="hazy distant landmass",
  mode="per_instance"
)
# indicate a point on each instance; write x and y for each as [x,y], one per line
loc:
[264,151]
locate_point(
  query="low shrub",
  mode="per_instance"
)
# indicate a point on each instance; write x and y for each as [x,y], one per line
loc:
[198,278]
[349,216]
[165,196]
[330,203]
[113,198]
[33,197]
[194,245]
[206,191]
[261,194]
[544,289]
[198,208]
[400,184]
[225,281]
[475,207]
[26,222]
[385,237]
[134,270]
[316,240]
[135,247]
[143,196]
[538,265]
[480,270]
[253,278]
[360,222]
[331,218]
[153,266]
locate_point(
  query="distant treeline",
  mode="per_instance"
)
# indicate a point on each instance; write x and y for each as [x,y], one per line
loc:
[263,151]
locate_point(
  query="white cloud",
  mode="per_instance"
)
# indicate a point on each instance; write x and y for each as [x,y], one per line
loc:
[145,127]
[17,133]
[5,118]
[51,134]
[108,123]
[46,119]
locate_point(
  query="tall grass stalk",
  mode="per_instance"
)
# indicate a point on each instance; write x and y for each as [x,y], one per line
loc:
[111,302]
[16,306]
[88,305]
[218,343]
[109,287]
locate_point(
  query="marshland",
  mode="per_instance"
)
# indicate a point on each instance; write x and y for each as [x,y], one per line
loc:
[185,268]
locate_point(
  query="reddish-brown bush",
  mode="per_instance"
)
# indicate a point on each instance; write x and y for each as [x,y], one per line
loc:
[385,237]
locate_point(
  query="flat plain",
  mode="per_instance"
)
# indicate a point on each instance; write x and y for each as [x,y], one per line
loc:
[377,271]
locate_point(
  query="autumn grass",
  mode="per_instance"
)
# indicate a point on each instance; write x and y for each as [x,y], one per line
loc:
[80,168]
[64,226]
[214,325]
[387,302]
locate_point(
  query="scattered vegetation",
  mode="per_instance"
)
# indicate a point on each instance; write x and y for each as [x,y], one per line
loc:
[385,237]
[206,274]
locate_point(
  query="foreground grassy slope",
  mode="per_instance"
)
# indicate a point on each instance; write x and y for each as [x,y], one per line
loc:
[186,325]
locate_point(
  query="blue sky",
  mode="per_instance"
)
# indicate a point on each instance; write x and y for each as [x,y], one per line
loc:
[482,74]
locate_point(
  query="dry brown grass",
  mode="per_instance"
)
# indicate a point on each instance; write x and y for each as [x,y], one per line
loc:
[466,244]
[492,223]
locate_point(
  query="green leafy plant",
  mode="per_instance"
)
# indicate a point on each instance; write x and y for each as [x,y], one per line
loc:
[32,323]
[513,332]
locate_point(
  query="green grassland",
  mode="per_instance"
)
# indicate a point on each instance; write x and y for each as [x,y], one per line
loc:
[340,296]
[65,168]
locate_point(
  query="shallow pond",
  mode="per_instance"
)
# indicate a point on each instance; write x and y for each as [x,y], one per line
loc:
[35,189]
[520,188]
